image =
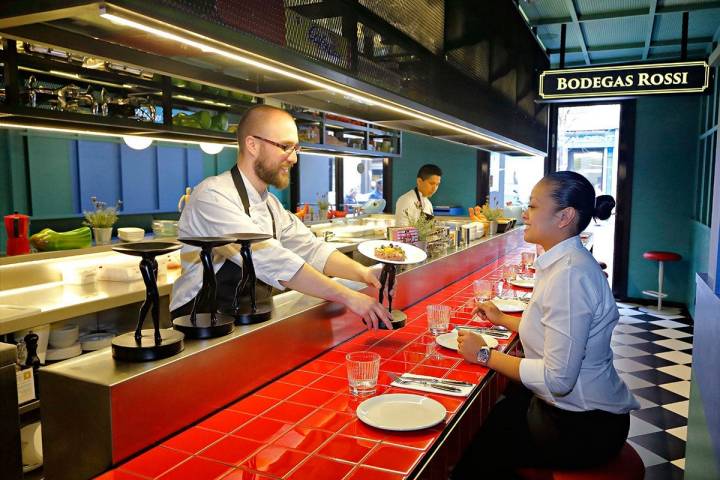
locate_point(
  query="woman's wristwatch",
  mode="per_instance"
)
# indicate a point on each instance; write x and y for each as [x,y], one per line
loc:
[483,355]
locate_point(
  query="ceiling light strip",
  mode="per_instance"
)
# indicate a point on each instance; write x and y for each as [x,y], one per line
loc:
[304,77]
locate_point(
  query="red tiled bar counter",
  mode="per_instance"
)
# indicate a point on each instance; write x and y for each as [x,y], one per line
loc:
[301,423]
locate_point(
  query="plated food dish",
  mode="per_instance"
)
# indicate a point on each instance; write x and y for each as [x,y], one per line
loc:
[412,253]
[391,251]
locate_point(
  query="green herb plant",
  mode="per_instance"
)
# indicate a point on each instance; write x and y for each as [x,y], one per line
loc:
[491,214]
[103,216]
[425,226]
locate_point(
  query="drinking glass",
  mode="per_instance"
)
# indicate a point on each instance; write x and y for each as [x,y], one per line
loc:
[483,290]
[362,372]
[509,272]
[528,258]
[438,318]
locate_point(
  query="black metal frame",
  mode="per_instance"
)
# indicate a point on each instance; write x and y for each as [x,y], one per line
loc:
[626,152]
[482,182]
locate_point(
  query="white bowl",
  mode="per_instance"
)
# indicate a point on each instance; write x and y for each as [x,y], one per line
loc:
[64,336]
[131,234]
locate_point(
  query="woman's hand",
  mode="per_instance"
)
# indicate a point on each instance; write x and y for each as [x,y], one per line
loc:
[469,344]
[488,311]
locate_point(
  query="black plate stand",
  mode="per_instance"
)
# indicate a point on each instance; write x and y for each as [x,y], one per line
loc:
[205,325]
[387,276]
[146,345]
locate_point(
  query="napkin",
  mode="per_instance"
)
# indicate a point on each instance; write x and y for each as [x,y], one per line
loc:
[464,391]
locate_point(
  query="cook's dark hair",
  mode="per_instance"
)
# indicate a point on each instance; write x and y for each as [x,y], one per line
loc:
[428,170]
[570,189]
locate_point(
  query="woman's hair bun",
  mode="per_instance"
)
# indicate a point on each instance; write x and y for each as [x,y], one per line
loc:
[604,205]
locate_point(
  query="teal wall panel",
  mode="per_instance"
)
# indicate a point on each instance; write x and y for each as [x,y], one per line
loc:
[50,162]
[226,159]
[99,173]
[195,166]
[172,172]
[666,133]
[458,163]
[139,179]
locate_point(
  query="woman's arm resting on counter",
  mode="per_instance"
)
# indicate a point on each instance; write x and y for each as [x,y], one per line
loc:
[469,344]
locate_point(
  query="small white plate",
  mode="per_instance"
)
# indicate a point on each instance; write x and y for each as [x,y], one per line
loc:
[449,340]
[401,412]
[509,305]
[523,282]
[412,253]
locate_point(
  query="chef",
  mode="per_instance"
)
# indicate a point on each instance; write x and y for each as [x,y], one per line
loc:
[416,202]
[238,201]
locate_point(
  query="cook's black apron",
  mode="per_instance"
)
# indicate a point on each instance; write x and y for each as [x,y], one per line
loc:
[230,274]
[422,211]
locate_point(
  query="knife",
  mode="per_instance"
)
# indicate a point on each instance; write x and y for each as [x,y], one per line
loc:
[439,380]
[438,386]
[491,333]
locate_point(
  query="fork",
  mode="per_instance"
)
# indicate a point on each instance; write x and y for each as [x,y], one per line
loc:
[396,378]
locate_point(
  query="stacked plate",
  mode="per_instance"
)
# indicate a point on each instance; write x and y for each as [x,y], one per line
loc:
[64,343]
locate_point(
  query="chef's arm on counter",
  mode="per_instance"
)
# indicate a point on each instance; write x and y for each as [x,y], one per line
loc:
[340,265]
[309,281]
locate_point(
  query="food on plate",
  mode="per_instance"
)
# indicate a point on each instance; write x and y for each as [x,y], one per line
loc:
[391,252]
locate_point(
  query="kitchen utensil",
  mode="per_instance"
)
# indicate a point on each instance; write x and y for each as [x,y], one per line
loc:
[438,386]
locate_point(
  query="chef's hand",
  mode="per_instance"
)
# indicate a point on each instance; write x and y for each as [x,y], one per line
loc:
[469,344]
[488,311]
[371,311]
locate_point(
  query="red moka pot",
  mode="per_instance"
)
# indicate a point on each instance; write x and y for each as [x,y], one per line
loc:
[17,226]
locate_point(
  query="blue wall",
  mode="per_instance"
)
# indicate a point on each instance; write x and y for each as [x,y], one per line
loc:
[458,163]
[666,139]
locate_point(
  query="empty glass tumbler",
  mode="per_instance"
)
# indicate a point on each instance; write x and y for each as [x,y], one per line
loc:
[362,372]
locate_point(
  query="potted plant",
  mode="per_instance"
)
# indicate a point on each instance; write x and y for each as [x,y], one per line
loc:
[424,226]
[102,220]
[323,205]
[491,215]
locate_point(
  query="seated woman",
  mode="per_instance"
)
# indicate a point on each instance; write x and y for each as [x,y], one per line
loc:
[572,409]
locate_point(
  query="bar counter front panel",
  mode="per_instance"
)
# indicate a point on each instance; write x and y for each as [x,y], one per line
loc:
[104,412]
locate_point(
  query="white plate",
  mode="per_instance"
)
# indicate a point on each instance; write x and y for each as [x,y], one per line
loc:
[412,253]
[401,412]
[509,305]
[523,282]
[449,340]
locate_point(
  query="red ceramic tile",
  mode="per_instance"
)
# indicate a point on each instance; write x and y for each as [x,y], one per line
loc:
[262,429]
[319,468]
[384,353]
[299,377]
[319,366]
[350,449]
[118,475]
[254,404]
[392,342]
[465,366]
[464,376]
[409,357]
[154,462]
[431,371]
[331,384]
[358,429]
[395,366]
[391,457]
[242,474]
[326,419]
[366,473]
[193,439]
[226,421]
[279,390]
[231,450]
[197,469]
[274,460]
[289,412]
[311,396]
[303,439]
[344,402]
[333,356]
[450,403]
[421,439]
[441,360]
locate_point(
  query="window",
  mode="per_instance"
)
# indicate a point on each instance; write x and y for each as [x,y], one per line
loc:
[512,178]
[362,180]
[317,179]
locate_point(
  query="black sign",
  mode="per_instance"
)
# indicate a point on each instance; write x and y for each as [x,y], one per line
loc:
[621,80]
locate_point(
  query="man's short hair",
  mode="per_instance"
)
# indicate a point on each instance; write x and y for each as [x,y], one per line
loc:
[247,121]
[428,170]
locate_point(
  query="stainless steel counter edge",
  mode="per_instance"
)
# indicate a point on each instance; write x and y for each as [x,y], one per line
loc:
[104,412]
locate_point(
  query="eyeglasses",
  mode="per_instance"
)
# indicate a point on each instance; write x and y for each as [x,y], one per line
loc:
[287,149]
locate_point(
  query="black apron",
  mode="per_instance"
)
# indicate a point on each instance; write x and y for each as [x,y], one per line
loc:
[230,274]
[427,215]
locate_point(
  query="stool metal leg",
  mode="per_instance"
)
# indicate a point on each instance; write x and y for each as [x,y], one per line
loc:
[659,309]
[660,285]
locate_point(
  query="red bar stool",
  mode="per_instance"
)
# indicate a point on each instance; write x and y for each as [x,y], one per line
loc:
[627,465]
[661,258]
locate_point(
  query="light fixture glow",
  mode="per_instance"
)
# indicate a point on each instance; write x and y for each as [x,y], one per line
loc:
[137,143]
[211,148]
[305,77]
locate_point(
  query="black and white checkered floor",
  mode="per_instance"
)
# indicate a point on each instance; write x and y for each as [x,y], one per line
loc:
[653,355]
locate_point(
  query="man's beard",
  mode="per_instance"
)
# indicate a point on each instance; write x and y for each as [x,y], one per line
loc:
[272,177]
